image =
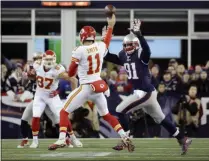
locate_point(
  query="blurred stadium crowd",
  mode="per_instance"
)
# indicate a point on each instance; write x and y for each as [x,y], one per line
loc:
[179,92]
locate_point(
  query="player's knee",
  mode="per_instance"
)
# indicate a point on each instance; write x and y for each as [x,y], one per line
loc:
[159,119]
[36,119]
[118,109]
[24,118]
[63,112]
[36,115]
[106,117]
[56,120]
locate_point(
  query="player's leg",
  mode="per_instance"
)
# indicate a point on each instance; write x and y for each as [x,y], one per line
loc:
[75,99]
[38,109]
[55,104]
[101,104]
[137,100]
[52,117]
[71,139]
[155,111]
[55,121]
[26,117]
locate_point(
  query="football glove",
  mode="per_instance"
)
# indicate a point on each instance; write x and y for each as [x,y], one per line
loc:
[135,26]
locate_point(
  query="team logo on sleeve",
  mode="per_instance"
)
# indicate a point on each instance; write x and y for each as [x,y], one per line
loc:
[102,85]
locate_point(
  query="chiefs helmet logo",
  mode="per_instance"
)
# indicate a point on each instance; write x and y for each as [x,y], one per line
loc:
[82,31]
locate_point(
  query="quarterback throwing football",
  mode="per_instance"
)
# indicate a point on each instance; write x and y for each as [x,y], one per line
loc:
[87,60]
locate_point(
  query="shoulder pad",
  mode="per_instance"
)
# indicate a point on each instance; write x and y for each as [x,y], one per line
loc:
[121,53]
[58,66]
[76,49]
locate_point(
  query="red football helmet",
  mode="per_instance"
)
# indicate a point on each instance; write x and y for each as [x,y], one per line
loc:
[87,33]
[49,59]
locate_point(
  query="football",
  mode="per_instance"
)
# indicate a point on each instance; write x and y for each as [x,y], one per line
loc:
[110,10]
[32,74]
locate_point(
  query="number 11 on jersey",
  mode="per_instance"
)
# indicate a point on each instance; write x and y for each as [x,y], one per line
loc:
[90,60]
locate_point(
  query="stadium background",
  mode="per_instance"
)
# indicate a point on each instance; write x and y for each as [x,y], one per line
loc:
[177,30]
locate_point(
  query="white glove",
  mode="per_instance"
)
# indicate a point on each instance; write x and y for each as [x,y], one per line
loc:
[104,32]
[135,25]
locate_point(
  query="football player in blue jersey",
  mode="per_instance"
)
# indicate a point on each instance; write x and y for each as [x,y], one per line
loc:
[135,57]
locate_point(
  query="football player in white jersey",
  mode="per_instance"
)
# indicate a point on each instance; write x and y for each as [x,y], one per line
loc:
[30,82]
[48,74]
[87,60]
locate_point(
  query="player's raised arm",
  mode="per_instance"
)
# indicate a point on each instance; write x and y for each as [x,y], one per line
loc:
[145,54]
[107,33]
[113,58]
[62,74]
[106,38]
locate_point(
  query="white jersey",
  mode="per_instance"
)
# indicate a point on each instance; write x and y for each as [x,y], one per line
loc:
[47,81]
[89,59]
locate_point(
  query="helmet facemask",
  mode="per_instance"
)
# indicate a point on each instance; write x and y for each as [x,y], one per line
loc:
[130,47]
[49,61]
[130,43]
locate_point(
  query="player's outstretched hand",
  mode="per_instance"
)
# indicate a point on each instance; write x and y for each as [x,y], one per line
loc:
[111,21]
[135,26]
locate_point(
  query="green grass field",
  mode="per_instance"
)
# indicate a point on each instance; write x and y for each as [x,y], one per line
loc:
[101,149]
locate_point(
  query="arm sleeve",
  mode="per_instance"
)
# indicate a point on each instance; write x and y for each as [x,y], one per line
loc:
[76,55]
[145,53]
[113,58]
[108,37]
[72,69]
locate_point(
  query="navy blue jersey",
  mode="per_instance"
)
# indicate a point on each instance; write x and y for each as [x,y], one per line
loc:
[14,83]
[136,65]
